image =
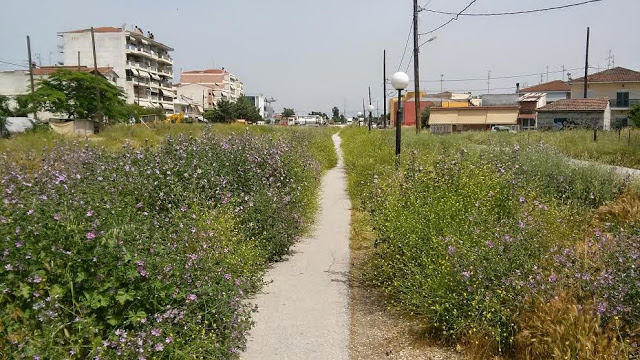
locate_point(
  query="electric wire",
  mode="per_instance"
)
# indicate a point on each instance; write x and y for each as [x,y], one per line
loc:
[14,64]
[447,22]
[516,12]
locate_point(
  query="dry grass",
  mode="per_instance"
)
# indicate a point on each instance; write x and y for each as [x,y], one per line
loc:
[562,329]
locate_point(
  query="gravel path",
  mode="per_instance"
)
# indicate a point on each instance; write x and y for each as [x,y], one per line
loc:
[303,313]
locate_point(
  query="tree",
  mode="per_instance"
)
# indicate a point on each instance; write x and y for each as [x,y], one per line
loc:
[424,117]
[224,112]
[335,112]
[288,112]
[73,94]
[244,109]
[343,119]
[634,115]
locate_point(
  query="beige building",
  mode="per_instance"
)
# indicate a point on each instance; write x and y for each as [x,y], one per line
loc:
[225,85]
[621,86]
[473,118]
[144,65]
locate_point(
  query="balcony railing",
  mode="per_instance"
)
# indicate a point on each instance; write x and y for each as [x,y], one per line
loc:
[624,104]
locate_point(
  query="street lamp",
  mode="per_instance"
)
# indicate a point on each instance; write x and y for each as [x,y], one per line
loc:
[400,81]
[370,109]
[359,115]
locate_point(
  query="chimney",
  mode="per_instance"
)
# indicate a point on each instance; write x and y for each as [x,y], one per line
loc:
[517,88]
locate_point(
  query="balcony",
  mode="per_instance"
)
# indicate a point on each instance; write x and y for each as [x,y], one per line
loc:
[615,104]
[165,58]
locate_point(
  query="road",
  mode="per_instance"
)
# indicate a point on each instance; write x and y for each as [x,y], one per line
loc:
[303,313]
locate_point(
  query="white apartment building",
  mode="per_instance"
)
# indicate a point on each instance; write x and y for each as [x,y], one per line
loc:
[143,65]
[224,84]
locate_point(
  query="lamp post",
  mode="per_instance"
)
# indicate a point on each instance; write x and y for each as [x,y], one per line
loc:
[400,81]
[370,109]
[359,116]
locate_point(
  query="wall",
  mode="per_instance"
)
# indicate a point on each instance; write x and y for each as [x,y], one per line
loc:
[110,52]
[470,116]
[608,90]
[194,92]
[499,99]
[574,120]
[409,111]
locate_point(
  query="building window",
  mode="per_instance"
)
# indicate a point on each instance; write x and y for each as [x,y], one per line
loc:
[622,99]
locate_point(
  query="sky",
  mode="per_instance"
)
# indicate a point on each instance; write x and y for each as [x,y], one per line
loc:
[312,55]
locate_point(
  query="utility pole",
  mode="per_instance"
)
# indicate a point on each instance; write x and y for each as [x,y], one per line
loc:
[416,64]
[39,57]
[586,65]
[547,73]
[384,87]
[441,83]
[78,60]
[563,70]
[364,112]
[95,72]
[489,82]
[30,63]
[370,104]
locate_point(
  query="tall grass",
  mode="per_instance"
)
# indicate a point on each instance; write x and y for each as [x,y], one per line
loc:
[470,238]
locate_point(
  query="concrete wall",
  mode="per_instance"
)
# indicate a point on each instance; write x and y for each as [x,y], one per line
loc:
[499,99]
[547,120]
[194,92]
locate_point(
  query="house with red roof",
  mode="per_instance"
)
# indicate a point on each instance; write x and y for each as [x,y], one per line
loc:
[620,85]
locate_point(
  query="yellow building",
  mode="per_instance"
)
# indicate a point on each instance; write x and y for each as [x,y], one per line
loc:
[472,118]
[444,100]
[621,86]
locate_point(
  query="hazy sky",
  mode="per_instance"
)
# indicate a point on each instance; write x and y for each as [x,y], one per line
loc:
[312,55]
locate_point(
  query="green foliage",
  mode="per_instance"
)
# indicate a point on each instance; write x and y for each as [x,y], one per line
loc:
[150,250]
[224,112]
[288,112]
[244,109]
[634,115]
[424,117]
[227,112]
[466,236]
[335,114]
[73,94]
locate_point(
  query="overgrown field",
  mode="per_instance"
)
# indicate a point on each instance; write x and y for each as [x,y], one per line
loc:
[510,251]
[149,251]
[611,147]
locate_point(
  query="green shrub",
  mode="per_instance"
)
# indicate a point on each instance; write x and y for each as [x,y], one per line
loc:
[147,251]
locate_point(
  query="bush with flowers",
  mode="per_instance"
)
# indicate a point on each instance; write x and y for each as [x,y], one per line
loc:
[149,252]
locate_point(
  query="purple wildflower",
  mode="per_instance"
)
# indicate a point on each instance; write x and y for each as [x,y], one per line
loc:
[156,332]
[91,235]
[56,217]
[159,347]
[227,276]
[451,250]
[89,213]
[191,297]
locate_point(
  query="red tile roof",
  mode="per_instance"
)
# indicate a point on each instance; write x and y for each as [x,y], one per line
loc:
[596,104]
[48,70]
[617,74]
[498,107]
[557,85]
[102,29]
[209,71]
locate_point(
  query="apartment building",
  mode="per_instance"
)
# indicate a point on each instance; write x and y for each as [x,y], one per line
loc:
[621,86]
[224,84]
[144,66]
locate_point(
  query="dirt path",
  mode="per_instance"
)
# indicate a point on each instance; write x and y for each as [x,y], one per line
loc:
[304,312]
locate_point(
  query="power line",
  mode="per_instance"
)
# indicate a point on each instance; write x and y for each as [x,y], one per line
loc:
[450,20]
[502,77]
[515,12]
[406,44]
